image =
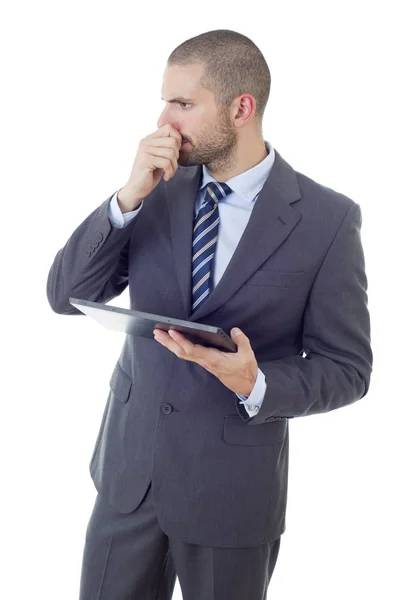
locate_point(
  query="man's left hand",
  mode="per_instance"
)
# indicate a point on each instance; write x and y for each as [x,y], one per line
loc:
[236,370]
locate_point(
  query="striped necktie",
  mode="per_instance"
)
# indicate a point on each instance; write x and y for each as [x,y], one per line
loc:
[205,235]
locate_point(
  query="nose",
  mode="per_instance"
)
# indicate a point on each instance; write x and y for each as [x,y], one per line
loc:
[163,119]
[166,117]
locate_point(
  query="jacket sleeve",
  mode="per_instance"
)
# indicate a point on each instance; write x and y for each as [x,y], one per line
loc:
[93,264]
[337,365]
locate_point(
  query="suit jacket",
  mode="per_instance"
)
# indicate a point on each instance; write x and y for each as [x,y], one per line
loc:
[296,285]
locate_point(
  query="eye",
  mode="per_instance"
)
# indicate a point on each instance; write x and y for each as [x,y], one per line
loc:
[187,104]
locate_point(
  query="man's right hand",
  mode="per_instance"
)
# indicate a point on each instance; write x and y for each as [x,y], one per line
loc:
[157,154]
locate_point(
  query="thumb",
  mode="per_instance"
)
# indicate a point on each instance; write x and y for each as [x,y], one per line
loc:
[239,337]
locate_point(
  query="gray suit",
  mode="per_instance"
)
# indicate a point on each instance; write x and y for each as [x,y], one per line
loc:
[296,286]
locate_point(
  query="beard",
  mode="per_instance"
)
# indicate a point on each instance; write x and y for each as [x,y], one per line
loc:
[215,147]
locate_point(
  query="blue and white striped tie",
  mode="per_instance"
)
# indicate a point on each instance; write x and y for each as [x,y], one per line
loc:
[205,235]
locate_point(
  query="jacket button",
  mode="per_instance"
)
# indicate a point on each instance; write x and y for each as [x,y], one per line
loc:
[166,408]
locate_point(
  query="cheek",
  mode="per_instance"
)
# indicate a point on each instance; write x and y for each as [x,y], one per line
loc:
[199,118]
[199,126]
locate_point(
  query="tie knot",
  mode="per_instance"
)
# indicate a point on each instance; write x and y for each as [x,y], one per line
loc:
[217,190]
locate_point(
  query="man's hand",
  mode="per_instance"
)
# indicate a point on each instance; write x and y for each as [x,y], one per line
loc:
[157,155]
[236,370]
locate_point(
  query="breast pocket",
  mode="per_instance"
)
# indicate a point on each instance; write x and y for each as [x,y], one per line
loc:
[277,278]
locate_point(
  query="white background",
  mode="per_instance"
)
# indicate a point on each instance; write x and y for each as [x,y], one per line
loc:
[81,87]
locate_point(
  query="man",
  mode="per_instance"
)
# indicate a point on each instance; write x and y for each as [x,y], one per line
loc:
[191,460]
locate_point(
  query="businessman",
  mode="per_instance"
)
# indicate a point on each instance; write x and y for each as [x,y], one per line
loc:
[213,226]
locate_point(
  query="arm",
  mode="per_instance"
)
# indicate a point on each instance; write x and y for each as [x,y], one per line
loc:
[93,264]
[336,337]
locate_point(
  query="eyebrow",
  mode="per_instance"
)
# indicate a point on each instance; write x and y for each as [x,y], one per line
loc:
[178,99]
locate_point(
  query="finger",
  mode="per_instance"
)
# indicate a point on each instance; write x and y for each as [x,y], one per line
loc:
[163,338]
[195,351]
[189,352]
[165,148]
[168,153]
[159,162]
[167,130]
[163,142]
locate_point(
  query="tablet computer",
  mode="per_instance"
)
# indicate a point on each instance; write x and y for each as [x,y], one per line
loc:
[140,323]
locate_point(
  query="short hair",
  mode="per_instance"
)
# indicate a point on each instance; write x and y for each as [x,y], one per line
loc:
[233,65]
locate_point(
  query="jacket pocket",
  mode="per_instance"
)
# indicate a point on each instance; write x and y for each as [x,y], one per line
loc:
[120,383]
[238,433]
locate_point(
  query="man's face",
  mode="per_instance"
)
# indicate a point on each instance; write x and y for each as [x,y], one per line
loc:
[210,134]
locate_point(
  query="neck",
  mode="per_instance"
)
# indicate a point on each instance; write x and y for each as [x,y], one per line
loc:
[246,157]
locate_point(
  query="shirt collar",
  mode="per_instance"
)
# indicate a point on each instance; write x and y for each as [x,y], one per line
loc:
[249,183]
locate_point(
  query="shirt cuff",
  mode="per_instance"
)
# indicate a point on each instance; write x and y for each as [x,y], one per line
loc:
[253,402]
[117,217]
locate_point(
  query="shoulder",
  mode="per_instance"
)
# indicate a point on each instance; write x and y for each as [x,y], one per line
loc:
[322,199]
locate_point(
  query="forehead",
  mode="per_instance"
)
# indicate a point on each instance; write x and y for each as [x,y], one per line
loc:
[181,82]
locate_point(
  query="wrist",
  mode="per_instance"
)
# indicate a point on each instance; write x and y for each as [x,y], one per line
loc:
[252,381]
[126,202]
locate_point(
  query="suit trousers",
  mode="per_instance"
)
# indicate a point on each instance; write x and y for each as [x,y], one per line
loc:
[129,557]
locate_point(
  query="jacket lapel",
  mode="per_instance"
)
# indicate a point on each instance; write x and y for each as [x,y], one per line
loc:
[271,221]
